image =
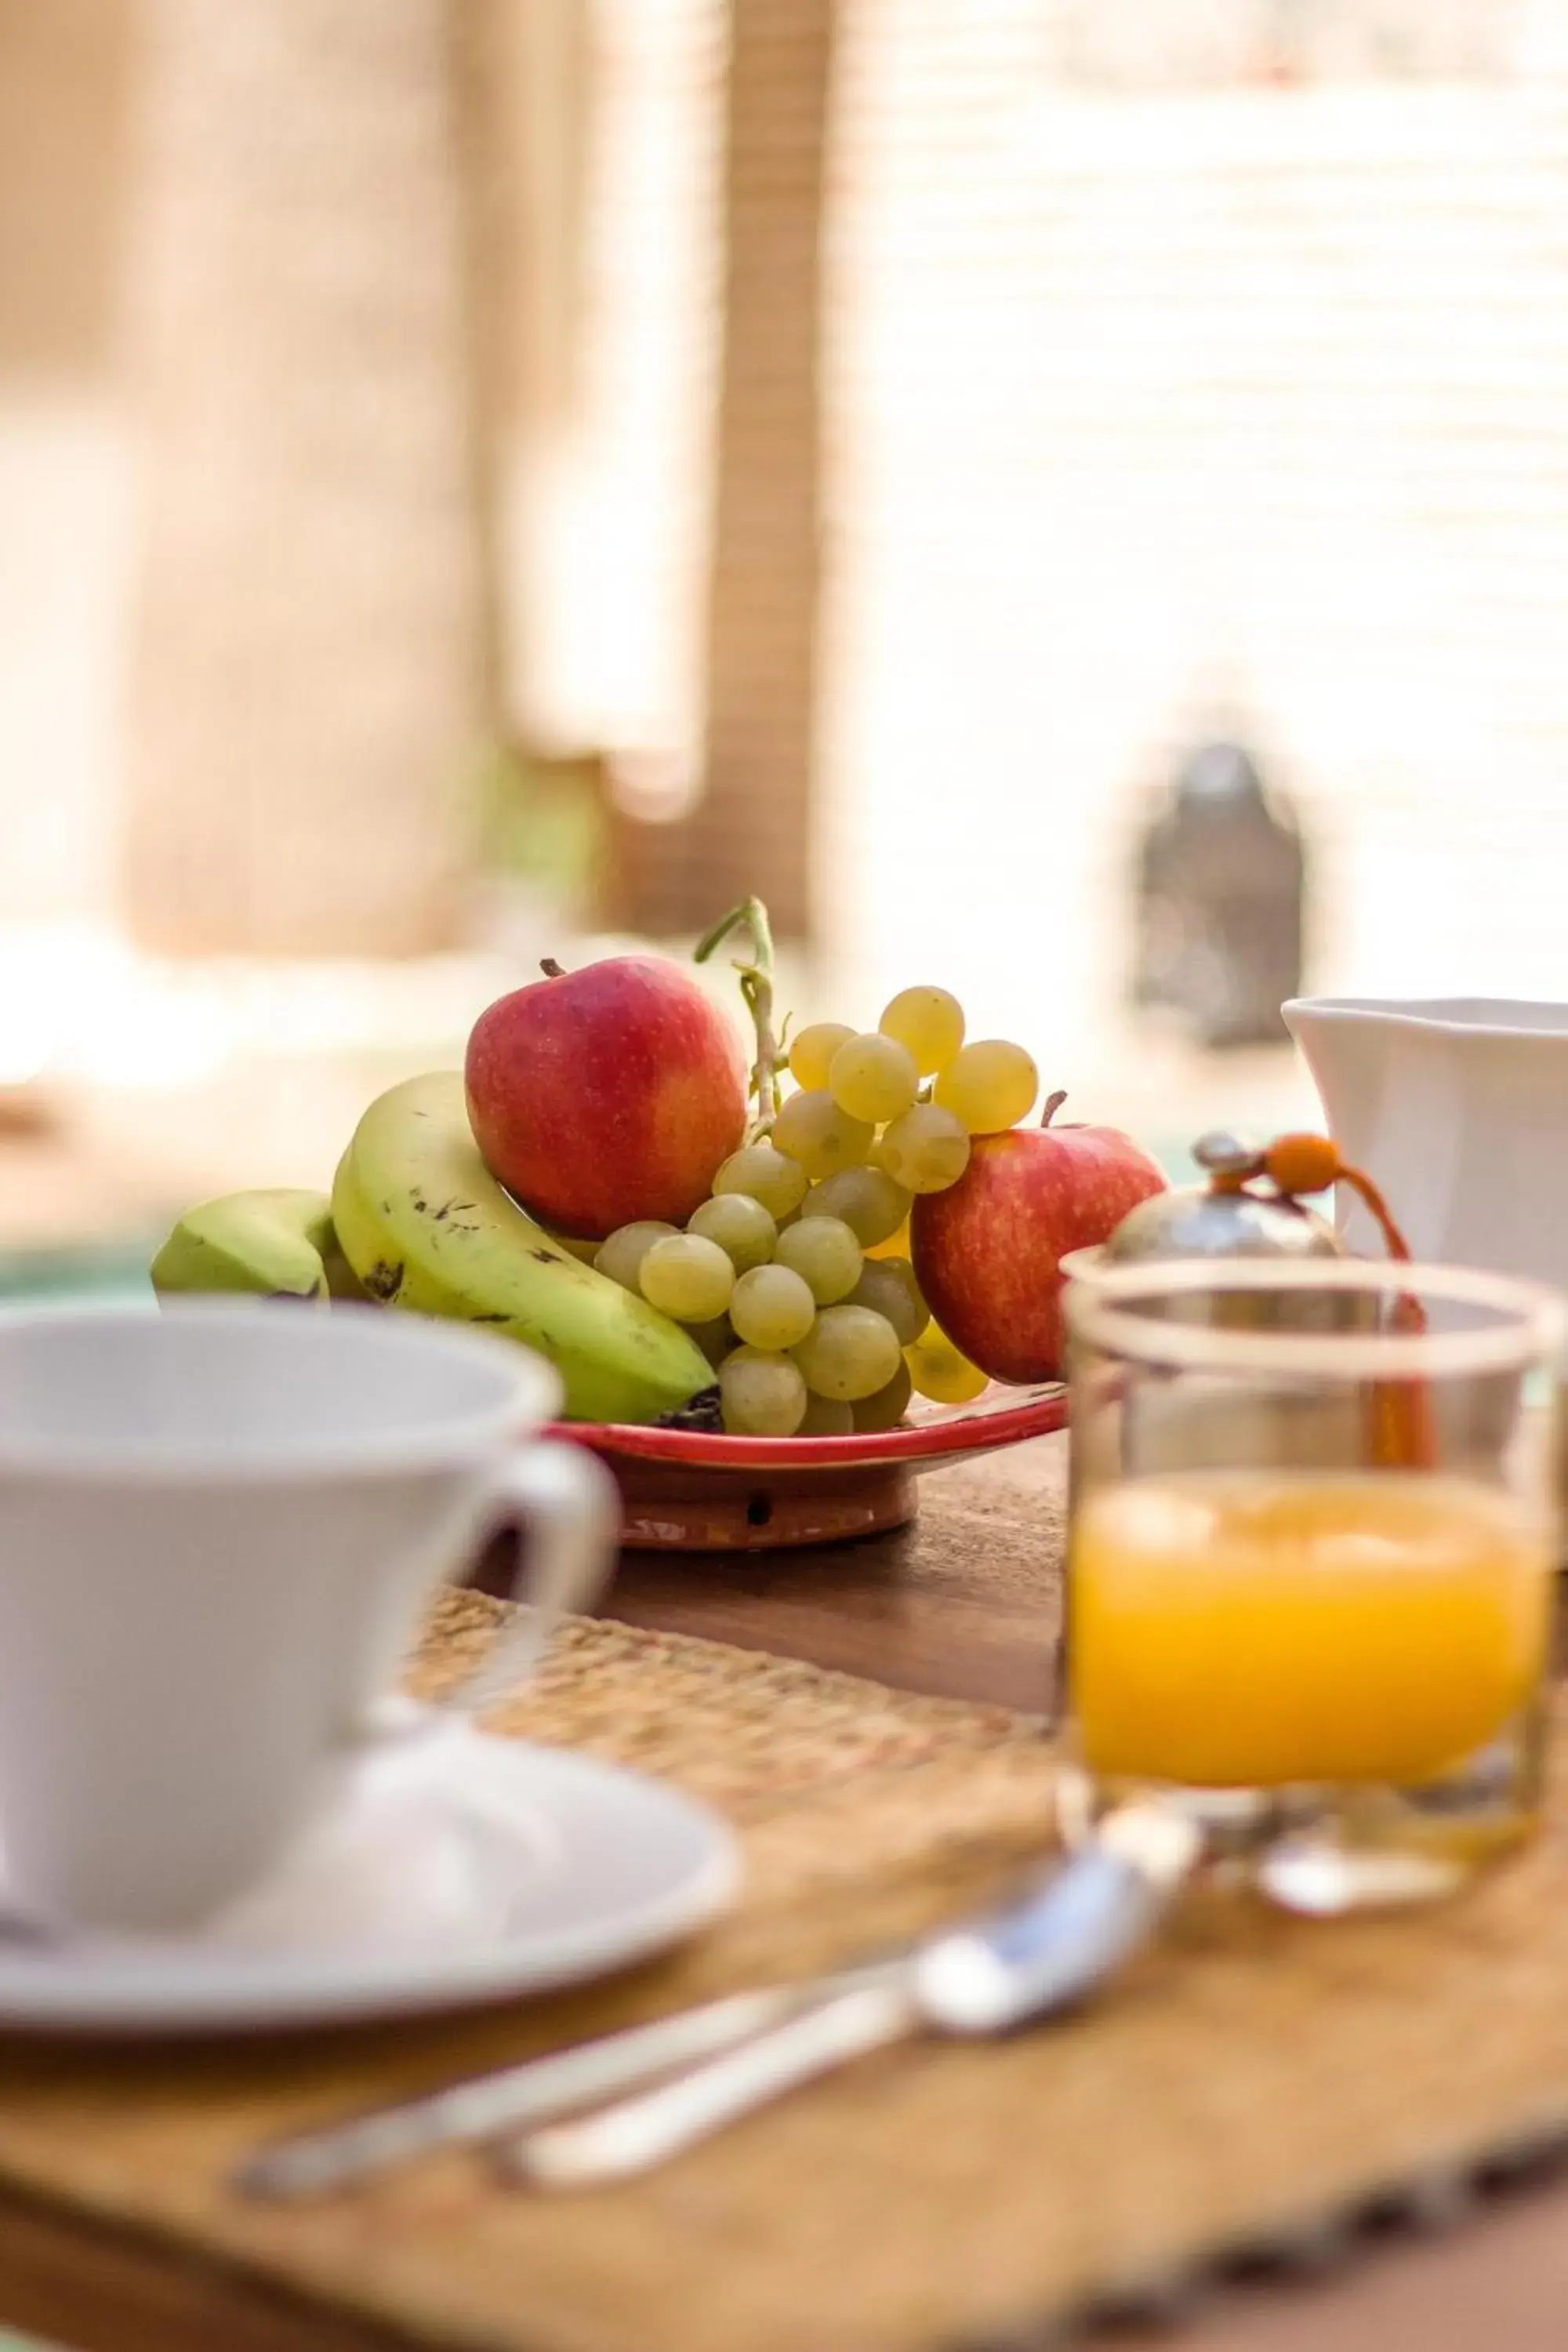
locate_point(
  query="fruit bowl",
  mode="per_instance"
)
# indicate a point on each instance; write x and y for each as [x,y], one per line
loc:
[687,1490]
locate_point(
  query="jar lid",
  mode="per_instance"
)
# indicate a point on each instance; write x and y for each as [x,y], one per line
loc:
[1221,1219]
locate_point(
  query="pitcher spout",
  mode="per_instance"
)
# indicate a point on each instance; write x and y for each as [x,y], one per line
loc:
[1459,1106]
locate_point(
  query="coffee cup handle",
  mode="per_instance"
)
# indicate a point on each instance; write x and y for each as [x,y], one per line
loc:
[566,1509]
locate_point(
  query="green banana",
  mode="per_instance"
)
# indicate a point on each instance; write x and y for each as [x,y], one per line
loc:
[425,1225]
[279,1245]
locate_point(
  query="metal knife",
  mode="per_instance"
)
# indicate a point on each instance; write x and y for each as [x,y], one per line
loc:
[539,2091]
[535,2091]
[1025,1960]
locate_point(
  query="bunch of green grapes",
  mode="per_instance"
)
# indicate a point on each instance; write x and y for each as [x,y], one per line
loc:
[905,1097]
[805,1332]
[795,1277]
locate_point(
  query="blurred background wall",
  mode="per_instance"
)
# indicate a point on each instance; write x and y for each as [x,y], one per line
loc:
[482,473]
[65,96]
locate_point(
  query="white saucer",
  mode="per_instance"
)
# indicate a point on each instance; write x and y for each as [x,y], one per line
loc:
[456,1868]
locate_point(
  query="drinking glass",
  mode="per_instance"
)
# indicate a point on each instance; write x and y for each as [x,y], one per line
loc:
[1312,1527]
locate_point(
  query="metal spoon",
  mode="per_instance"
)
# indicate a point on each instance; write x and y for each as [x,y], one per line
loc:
[539,2091]
[1033,1956]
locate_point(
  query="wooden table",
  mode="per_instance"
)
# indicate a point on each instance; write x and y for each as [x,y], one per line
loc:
[965,1603]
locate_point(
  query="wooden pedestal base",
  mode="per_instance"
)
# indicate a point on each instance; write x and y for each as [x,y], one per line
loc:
[670,1507]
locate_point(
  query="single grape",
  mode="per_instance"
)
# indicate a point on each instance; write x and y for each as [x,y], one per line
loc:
[898,1244]
[850,1352]
[889,1406]
[888,1286]
[716,1340]
[826,1417]
[939,1372]
[811,1054]
[873,1077]
[689,1278]
[740,1224]
[926,1150]
[813,1129]
[927,1023]
[763,1395]
[990,1085]
[766,1175]
[866,1200]
[826,1254]
[772,1307]
[622,1253]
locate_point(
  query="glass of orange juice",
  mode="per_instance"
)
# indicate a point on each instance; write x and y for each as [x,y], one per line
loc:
[1312,1537]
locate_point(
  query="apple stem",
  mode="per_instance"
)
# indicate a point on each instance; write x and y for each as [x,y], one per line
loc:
[757,988]
[550,969]
[1053,1104]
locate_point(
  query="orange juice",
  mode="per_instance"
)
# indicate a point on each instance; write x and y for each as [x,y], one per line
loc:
[1249,1628]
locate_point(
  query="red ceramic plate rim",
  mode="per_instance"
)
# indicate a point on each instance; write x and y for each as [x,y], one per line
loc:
[966,1431]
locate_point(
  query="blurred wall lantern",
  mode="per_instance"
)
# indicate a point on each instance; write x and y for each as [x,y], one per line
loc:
[1221,889]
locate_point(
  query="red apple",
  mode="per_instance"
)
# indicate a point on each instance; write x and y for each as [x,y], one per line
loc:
[986,1251]
[607,1093]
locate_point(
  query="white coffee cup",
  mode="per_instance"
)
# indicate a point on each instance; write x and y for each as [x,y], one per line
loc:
[219,1527]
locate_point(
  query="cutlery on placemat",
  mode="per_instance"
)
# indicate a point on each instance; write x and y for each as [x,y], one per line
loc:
[989,1973]
[1036,1953]
[535,2091]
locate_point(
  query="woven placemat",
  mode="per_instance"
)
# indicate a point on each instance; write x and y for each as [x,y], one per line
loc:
[1255,2075]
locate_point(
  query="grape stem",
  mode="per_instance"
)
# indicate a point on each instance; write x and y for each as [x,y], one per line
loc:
[757,988]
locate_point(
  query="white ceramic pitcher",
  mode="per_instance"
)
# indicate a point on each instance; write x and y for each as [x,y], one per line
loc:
[1458,1106]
